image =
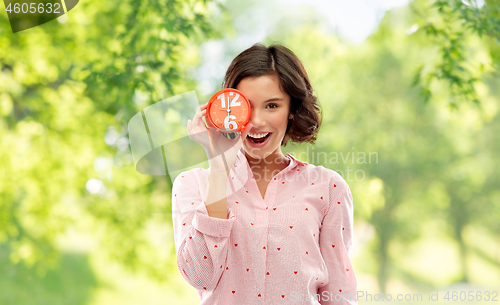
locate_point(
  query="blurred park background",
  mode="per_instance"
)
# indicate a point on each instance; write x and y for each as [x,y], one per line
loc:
[419,93]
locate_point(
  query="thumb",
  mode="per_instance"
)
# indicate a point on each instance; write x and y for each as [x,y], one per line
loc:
[247,129]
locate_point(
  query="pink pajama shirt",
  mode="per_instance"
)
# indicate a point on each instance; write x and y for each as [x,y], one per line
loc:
[292,247]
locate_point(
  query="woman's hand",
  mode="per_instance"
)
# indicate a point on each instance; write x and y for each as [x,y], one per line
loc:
[215,144]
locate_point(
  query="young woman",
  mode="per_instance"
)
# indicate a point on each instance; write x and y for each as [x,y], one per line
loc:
[258,226]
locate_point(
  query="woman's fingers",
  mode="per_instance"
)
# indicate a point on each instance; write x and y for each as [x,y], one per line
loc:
[199,112]
[198,123]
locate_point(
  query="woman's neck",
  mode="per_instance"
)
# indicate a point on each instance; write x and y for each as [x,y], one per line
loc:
[275,161]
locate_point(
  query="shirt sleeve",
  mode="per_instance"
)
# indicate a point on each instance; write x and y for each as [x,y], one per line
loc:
[201,241]
[336,243]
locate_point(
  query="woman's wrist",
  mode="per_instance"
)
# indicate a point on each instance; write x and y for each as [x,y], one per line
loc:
[218,166]
[217,171]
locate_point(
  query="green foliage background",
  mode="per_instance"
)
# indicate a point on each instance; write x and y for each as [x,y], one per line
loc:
[421,94]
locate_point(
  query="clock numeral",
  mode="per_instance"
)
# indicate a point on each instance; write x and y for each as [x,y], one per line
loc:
[227,122]
[233,103]
[222,98]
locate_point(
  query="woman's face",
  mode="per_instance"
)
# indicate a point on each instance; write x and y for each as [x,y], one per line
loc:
[270,113]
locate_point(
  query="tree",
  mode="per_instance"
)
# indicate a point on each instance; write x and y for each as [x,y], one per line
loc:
[452,25]
[67,91]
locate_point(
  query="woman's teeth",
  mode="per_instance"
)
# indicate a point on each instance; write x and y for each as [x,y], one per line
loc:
[258,136]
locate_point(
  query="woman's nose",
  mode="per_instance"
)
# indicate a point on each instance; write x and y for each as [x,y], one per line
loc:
[256,119]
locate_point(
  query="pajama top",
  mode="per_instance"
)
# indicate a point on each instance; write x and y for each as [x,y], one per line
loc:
[292,247]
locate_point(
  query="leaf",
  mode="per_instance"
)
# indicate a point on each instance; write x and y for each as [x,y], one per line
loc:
[417,73]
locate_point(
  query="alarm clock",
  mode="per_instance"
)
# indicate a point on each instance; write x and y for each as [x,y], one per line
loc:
[229,112]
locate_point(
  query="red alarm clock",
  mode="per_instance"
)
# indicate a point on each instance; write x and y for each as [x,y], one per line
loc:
[228,111]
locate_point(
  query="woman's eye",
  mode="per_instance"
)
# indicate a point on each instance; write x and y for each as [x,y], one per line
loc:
[272,105]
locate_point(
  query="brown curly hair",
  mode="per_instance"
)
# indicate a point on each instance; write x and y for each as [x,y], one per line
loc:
[277,60]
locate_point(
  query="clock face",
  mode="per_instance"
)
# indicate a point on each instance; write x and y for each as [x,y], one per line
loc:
[228,110]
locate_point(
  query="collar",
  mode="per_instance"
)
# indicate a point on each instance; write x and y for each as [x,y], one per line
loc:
[295,161]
